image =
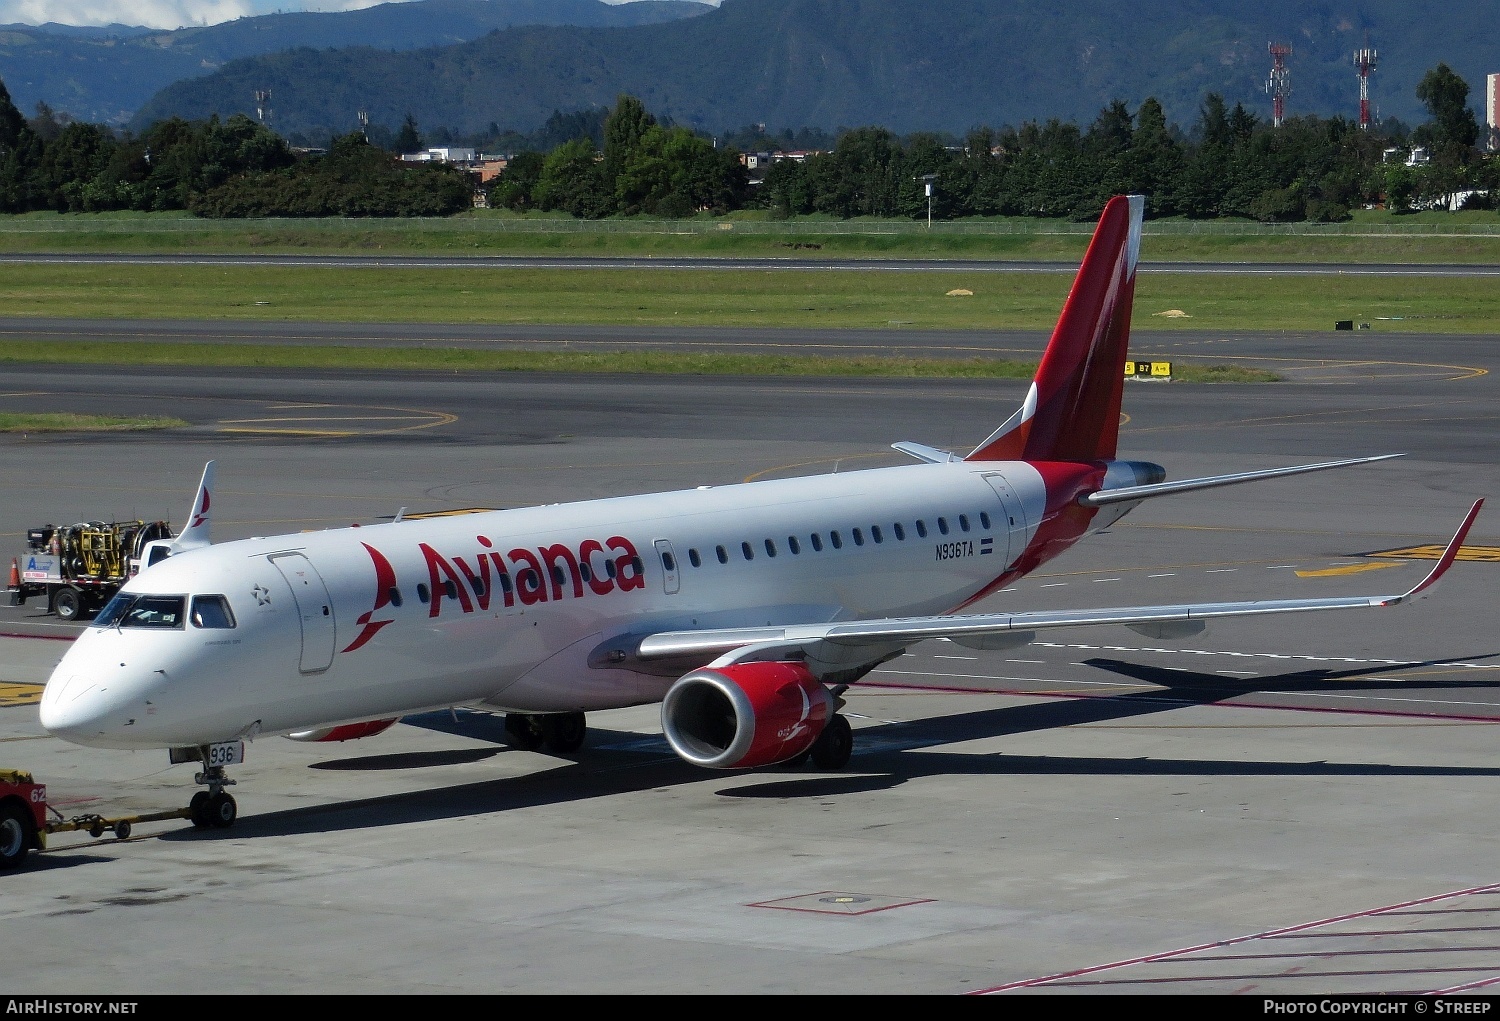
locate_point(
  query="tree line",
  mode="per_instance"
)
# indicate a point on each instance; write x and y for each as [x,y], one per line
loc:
[626,163]
[230,168]
[1229,163]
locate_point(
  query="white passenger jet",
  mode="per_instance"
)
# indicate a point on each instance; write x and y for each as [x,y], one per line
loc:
[745,610]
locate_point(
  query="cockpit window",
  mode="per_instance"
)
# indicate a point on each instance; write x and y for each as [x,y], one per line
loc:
[211,612]
[139,610]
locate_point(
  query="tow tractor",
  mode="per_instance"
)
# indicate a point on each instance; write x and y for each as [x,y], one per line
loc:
[26,819]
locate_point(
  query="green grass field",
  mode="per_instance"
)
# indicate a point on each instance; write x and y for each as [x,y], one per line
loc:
[825,299]
[1472,237]
[55,422]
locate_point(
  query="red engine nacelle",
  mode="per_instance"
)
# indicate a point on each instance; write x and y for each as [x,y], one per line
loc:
[745,715]
[346,732]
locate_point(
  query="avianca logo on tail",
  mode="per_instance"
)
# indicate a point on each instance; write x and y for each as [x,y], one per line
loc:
[547,573]
[202,512]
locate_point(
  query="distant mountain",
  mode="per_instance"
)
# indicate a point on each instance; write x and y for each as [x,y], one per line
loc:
[905,64]
[103,75]
[116,31]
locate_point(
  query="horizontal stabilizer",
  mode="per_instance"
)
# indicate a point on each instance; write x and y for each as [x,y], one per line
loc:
[1126,494]
[922,452]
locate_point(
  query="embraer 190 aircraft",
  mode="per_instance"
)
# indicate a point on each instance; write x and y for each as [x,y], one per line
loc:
[745,610]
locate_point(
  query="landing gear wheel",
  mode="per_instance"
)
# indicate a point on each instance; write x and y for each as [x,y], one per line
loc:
[221,811]
[15,837]
[198,809]
[524,731]
[834,746]
[122,830]
[67,603]
[563,732]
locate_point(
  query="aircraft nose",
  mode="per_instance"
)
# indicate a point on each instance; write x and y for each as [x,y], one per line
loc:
[66,710]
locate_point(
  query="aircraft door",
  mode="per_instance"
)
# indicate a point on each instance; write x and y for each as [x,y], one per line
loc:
[669,572]
[314,610]
[1012,516]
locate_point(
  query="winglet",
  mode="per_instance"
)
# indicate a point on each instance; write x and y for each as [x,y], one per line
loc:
[195,532]
[1425,586]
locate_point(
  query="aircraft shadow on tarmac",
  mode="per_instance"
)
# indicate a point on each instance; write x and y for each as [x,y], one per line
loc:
[1198,688]
[618,762]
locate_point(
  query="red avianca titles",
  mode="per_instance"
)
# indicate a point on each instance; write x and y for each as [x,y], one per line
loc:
[746,611]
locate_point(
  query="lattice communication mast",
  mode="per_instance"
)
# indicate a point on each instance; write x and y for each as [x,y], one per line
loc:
[1364,62]
[1279,85]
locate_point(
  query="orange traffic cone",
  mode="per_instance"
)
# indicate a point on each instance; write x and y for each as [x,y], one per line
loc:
[15,574]
[15,595]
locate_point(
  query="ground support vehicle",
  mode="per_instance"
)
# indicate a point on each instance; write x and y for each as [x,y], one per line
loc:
[26,820]
[79,567]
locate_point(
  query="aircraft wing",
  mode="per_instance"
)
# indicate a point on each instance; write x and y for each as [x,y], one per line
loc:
[999,630]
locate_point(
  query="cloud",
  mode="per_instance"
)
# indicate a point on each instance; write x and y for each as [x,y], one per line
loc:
[157,13]
[168,13]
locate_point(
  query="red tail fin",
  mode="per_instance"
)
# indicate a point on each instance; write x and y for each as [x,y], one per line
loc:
[1072,412]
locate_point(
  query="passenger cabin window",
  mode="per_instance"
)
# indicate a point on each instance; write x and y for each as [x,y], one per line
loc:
[859,537]
[137,610]
[747,551]
[900,532]
[984,519]
[876,534]
[667,561]
[694,558]
[833,537]
[421,592]
[211,612]
[793,545]
[963,522]
[817,542]
[943,525]
[770,548]
[722,554]
[922,529]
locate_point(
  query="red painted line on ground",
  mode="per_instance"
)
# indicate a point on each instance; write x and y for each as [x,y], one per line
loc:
[1167,955]
[45,638]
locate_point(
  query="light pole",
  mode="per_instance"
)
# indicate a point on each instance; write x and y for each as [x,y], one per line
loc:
[927,180]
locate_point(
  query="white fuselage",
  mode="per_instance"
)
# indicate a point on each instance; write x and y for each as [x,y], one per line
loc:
[504,608]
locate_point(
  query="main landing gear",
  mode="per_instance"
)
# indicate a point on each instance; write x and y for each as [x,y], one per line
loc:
[831,750]
[560,733]
[215,807]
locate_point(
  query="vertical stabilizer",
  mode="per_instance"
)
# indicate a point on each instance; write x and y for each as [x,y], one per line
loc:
[195,532]
[1072,411]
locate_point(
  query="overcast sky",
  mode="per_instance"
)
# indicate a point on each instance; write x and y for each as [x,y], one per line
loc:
[164,13]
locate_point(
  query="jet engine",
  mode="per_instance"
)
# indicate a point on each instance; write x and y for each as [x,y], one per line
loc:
[746,714]
[345,732]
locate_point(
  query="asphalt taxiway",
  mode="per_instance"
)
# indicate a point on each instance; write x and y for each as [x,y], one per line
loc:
[1298,805]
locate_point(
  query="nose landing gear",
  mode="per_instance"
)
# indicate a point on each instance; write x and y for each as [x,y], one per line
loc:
[214,808]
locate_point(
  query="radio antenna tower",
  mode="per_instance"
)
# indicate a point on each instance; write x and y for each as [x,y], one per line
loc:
[1279,84]
[262,97]
[1364,62]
